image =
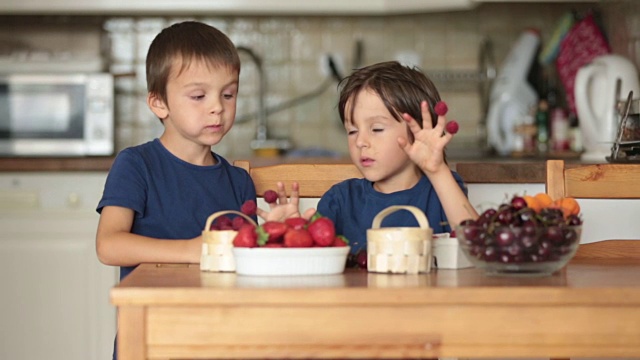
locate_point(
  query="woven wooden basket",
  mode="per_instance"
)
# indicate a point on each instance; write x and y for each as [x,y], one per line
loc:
[401,250]
[217,245]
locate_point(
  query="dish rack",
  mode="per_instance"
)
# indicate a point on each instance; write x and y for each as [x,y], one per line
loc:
[626,147]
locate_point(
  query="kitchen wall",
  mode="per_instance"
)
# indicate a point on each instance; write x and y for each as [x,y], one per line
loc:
[445,44]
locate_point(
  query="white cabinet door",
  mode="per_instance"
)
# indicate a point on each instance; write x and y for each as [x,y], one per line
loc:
[55,293]
[54,300]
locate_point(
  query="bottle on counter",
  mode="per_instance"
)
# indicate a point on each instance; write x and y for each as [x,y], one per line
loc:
[559,130]
[542,126]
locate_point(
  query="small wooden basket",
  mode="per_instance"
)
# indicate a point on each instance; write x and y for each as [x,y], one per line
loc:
[217,245]
[401,250]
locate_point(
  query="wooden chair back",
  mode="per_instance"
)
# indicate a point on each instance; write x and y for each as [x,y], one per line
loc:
[597,181]
[314,179]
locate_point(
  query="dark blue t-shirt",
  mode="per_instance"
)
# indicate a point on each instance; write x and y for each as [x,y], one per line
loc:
[352,205]
[172,199]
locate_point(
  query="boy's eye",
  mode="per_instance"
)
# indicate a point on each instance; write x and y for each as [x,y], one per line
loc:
[228,96]
[197,97]
[351,131]
[377,129]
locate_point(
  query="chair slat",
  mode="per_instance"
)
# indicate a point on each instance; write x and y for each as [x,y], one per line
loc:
[314,179]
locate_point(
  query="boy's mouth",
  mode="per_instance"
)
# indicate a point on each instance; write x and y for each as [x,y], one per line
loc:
[365,161]
[215,127]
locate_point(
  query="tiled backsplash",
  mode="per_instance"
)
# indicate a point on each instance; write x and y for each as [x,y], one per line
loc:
[292,49]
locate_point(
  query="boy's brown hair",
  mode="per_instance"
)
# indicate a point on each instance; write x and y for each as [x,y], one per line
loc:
[185,42]
[401,89]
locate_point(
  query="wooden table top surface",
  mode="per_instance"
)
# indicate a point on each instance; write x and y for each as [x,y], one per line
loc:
[580,282]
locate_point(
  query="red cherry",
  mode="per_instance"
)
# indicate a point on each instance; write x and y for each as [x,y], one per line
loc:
[441,108]
[452,127]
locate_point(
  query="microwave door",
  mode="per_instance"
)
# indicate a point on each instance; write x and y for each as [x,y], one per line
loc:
[42,117]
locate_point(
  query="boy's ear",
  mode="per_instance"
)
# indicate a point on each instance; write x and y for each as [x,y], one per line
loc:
[157,106]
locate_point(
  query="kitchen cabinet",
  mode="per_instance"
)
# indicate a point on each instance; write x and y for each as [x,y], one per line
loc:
[55,292]
[246,7]
[218,7]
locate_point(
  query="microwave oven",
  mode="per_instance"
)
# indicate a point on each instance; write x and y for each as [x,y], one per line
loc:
[61,114]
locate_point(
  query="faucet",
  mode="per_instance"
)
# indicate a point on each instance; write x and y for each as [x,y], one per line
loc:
[261,133]
[261,141]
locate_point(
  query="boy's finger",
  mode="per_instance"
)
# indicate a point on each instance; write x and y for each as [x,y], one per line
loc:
[282,194]
[411,122]
[426,115]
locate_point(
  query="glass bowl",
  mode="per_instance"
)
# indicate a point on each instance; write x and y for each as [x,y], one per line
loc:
[533,250]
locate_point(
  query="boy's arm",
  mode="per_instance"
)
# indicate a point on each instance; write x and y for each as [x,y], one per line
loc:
[455,203]
[117,246]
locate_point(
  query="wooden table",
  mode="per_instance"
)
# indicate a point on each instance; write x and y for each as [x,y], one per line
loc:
[588,309]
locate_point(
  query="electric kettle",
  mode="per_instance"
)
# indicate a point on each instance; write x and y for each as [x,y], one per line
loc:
[599,86]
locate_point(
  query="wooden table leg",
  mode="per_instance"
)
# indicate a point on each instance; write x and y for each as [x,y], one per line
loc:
[131,333]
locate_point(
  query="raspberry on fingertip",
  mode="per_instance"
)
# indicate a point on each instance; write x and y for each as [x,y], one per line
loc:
[452,127]
[270,196]
[441,108]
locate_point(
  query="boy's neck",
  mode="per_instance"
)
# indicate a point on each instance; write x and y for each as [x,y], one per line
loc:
[191,153]
[399,182]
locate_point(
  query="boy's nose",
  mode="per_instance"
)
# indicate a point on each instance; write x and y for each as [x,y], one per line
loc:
[215,107]
[362,139]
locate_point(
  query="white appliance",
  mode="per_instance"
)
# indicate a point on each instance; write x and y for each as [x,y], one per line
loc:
[56,114]
[596,96]
[512,97]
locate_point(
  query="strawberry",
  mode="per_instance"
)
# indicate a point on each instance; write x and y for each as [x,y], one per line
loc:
[271,232]
[274,245]
[452,127]
[296,222]
[270,196]
[441,108]
[340,241]
[298,238]
[249,208]
[322,230]
[246,237]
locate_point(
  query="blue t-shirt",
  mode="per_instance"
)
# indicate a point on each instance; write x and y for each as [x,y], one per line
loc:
[352,205]
[172,198]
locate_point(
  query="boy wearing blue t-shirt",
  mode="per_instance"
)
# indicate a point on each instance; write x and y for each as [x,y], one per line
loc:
[397,142]
[158,195]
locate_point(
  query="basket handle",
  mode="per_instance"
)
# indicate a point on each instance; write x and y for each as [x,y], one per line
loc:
[215,215]
[417,213]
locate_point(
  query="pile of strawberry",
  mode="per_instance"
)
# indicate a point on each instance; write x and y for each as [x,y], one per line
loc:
[319,231]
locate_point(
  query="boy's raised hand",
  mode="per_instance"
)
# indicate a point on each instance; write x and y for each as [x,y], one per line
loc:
[284,208]
[427,150]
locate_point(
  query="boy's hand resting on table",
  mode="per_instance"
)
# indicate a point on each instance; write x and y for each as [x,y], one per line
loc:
[282,208]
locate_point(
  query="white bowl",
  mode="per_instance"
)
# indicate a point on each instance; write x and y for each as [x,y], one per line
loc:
[290,261]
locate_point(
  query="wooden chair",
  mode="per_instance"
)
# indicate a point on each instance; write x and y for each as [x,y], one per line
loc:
[314,179]
[598,181]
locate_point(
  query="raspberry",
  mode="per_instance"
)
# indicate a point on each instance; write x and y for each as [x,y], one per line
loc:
[249,208]
[237,222]
[441,108]
[270,196]
[452,127]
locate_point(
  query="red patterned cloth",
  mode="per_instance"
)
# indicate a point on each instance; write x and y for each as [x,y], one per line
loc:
[582,44]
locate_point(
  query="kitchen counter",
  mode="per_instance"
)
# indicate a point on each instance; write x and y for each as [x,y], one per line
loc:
[481,170]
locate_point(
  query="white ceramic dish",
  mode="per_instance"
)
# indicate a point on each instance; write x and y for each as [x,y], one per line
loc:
[290,261]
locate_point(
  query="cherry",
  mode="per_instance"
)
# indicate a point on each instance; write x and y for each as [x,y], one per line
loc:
[504,237]
[518,203]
